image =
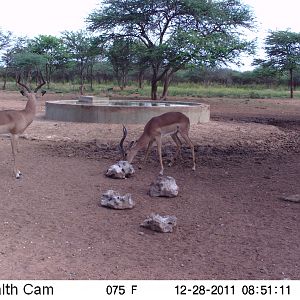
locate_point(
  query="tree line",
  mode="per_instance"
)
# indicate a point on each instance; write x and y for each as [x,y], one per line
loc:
[154,41]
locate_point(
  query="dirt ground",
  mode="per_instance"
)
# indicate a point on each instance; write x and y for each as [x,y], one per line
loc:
[231,221]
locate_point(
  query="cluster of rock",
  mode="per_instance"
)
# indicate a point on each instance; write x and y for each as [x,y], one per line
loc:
[163,186]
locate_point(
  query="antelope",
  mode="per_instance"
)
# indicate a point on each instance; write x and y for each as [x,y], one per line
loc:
[14,122]
[170,123]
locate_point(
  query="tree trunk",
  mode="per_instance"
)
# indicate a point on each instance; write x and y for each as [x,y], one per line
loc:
[154,90]
[154,81]
[291,83]
[48,71]
[4,79]
[141,79]
[91,79]
[81,88]
[124,79]
[167,80]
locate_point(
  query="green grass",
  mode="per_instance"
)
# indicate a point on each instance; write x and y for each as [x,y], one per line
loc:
[179,90]
[210,91]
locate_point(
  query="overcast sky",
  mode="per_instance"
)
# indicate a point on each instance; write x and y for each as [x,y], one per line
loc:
[34,17]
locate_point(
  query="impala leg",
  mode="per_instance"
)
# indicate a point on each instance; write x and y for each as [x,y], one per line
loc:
[14,142]
[159,144]
[177,141]
[148,150]
[189,142]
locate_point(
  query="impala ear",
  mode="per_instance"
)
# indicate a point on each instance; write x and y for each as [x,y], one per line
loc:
[43,92]
[22,92]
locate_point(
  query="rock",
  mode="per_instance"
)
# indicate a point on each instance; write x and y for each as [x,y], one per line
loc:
[120,170]
[114,200]
[291,198]
[116,172]
[160,223]
[163,186]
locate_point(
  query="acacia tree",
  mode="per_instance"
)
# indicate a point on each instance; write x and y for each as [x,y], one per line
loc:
[120,55]
[283,53]
[53,50]
[5,39]
[83,48]
[27,63]
[176,32]
[13,51]
[5,45]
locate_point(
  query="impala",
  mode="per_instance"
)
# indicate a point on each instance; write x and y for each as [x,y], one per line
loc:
[14,122]
[170,123]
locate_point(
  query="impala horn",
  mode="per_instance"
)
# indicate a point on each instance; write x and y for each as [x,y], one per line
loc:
[121,145]
[42,82]
[22,85]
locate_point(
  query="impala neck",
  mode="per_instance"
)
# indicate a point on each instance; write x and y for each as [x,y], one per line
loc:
[30,107]
[142,142]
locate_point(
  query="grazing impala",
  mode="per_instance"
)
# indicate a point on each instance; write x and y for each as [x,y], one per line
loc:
[170,123]
[15,122]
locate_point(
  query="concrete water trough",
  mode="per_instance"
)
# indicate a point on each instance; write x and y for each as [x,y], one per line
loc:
[100,110]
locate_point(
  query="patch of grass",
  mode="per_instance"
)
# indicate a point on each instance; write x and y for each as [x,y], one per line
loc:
[179,90]
[212,91]
[208,91]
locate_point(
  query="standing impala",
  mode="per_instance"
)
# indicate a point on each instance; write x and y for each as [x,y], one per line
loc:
[170,123]
[15,122]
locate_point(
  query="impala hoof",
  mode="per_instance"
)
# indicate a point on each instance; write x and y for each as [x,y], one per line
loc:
[18,175]
[170,164]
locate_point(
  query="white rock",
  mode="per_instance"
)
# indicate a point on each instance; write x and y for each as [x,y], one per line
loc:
[160,223]
[292,198]
[120,170]
[114,200]
[164,186]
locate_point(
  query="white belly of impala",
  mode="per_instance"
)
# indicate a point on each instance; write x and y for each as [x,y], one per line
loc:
[168,130]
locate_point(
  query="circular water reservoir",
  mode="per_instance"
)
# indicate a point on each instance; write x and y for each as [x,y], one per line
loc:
[122,111]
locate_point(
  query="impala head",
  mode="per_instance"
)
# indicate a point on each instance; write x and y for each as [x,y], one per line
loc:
[129,153]
[26,91]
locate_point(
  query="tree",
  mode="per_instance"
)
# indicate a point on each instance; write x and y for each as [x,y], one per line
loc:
[26,63]
[5,44]
[83,48]
[9,58]
[283,53]
[120,55]
[176,32]
[53,50]
[5,39]
[141,61]
[265,74]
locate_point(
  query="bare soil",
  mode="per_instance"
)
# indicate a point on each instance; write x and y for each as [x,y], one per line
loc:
[231,222]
